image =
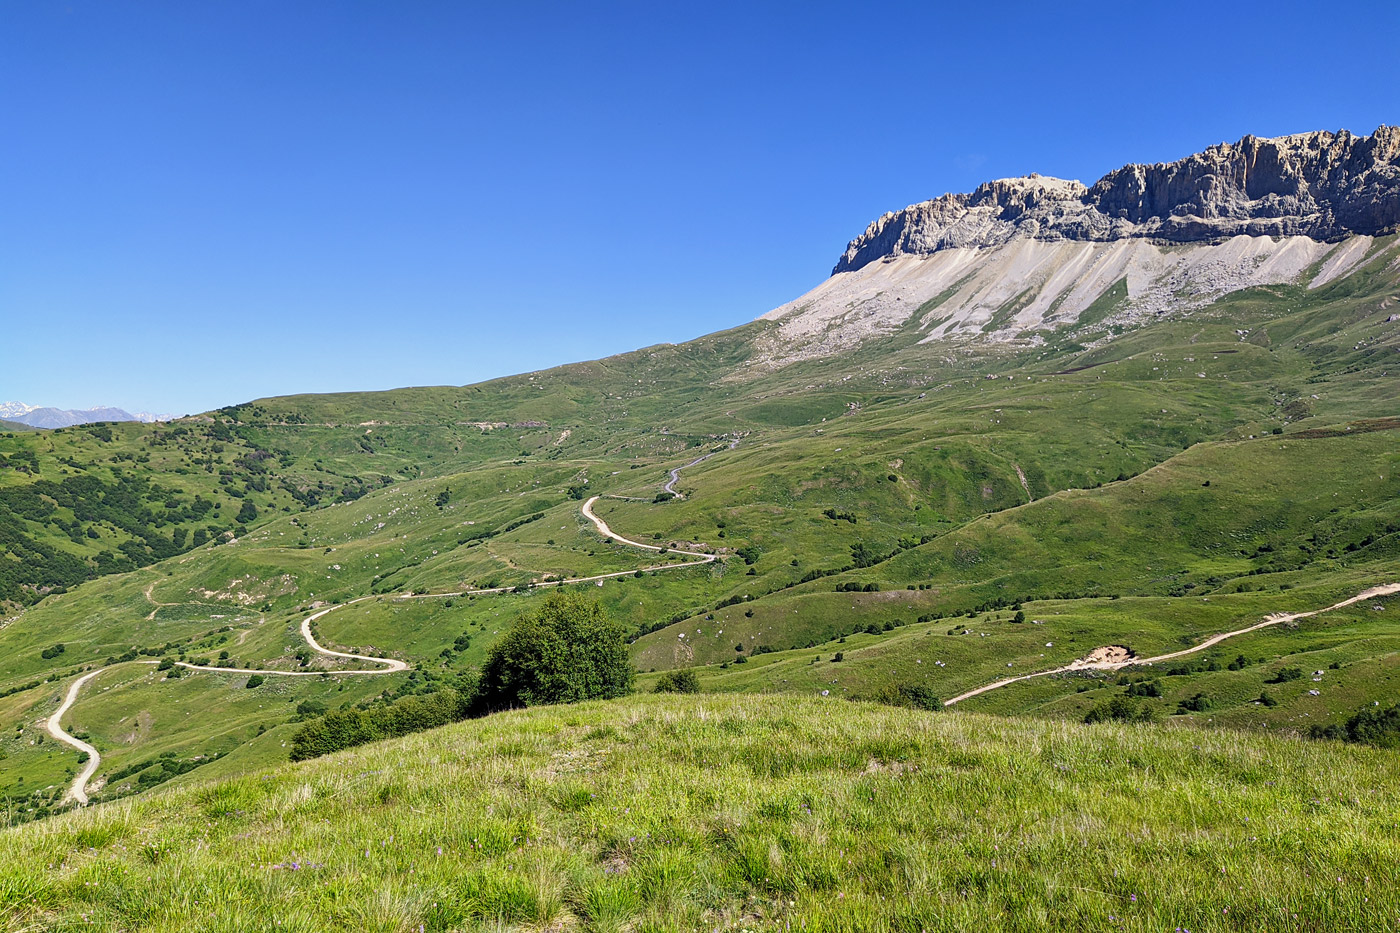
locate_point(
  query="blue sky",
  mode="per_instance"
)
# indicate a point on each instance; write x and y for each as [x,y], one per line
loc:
[204,203]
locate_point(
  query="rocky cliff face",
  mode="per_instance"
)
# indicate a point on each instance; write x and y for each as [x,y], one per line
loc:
[1325,186]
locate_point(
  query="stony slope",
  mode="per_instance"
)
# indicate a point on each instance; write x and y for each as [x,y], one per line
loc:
[1020,258]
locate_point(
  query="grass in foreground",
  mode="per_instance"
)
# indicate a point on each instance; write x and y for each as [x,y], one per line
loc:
[740,812]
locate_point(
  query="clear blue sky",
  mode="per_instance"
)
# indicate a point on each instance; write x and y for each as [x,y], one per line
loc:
[207,202]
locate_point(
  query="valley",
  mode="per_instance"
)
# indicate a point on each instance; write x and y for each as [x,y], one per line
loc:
[1082,518]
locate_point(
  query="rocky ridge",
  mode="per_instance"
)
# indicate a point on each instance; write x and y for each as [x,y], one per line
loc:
[1019,258]
[1321,185]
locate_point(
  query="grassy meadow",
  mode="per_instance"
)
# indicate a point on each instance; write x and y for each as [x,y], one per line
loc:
[743,813]
[896,505]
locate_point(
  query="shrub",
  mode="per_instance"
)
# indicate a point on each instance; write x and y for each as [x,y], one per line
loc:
[344,728]
[1120,709]
[911,696]
[682,681]
[53,651]
[255,681]
[1199,703]
[1286,674]
[1378,727]
[565,651]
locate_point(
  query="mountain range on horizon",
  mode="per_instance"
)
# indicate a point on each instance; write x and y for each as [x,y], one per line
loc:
[38,416]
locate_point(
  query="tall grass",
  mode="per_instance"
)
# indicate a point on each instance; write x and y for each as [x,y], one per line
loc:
[740,812]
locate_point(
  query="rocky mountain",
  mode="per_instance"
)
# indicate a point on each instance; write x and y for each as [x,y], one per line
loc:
[41,417]
[1019,258]
[1325,186]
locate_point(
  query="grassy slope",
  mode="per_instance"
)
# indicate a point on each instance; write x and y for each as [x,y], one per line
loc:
[1170,406]
[778,813]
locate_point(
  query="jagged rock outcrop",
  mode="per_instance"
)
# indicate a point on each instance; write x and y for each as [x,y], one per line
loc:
[1325,186]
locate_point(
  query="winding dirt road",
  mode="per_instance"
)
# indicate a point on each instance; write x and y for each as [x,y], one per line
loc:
[54,725]
[77,791]
[676,473]
[1106,659]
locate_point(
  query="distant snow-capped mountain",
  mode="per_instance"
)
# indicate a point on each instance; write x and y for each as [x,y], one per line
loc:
[42,417]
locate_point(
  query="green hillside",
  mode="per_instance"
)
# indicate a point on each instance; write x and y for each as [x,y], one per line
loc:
[898,504]
[741,813]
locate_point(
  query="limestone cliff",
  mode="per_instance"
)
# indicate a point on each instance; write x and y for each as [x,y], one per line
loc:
[1325,186]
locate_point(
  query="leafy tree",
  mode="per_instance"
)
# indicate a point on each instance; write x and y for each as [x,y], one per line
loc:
[255,681]
[565,651]
[248,513]
[682,681]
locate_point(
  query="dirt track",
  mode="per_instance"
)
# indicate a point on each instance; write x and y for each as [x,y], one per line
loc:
[78,789]
[1107,659]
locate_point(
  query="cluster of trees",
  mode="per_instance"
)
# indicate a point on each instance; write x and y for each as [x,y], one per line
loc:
[565,651]
[1371,726]
[344,728]
[130,503]
[1121,708]
[23,461]
[155,771]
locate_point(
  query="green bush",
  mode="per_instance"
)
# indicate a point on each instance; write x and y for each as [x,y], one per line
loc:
[1373,726]
[1199,703]
[344,728]
[682,681]
[565,651]
[911,696]
[1121,709]
[255,681]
